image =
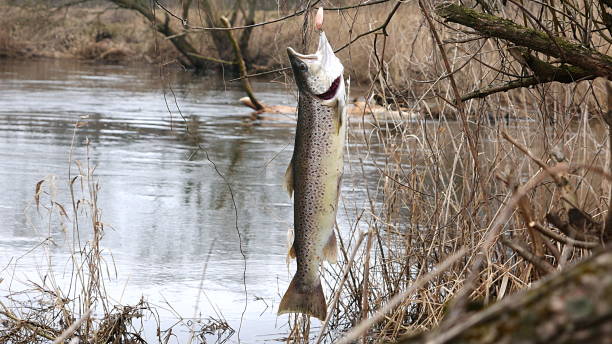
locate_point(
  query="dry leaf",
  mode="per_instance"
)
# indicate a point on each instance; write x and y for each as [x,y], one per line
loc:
[37,192]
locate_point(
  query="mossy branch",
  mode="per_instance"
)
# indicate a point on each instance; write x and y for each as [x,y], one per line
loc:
[543,72]
[570,306]
[589,60]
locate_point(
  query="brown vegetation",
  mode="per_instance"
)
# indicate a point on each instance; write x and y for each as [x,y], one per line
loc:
[85,33]
[90,32]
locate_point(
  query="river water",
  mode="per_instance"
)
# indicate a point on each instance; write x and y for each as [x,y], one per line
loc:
[170,225]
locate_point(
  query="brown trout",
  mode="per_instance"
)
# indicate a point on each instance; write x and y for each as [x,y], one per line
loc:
[314,174]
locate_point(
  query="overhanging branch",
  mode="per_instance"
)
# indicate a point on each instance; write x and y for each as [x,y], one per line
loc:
[543,72]
[590,60]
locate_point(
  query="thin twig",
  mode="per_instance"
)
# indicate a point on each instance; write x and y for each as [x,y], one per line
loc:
[564,239]
[380,314]
[338,292]
[539,263]
[70,330]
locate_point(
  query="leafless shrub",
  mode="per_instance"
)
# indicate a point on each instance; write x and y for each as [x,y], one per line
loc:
[517,178]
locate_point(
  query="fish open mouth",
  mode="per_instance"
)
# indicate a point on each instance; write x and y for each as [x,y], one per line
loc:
[331,92]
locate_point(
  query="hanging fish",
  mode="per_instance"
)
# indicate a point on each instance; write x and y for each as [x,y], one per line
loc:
[314,174]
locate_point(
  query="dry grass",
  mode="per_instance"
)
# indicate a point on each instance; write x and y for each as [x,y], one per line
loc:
[9,46]
[512,193]
[100,33]
[51,311]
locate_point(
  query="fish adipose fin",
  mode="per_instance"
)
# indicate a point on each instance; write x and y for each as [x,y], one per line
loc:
[330,251]
[291,253]
[289,179]
[304,299]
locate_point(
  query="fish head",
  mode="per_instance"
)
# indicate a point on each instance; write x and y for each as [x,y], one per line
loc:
[318,74]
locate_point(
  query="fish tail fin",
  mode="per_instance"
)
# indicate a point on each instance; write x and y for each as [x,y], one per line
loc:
[304,299]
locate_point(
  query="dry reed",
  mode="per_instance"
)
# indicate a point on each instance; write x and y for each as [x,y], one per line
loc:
[51,311]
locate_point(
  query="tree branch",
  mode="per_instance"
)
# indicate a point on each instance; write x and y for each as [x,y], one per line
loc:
[570,306]
[543,266]
[589,60]
[180,42]
[544,72]
[241,66]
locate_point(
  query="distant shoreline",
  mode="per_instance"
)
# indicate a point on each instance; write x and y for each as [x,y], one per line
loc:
[114,35]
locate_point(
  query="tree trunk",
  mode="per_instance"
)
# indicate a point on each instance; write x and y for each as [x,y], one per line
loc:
[571,306]
[219,38]
[180,41]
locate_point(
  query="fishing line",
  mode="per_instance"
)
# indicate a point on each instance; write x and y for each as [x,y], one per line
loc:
[265,166]
[217,171]
[235,207]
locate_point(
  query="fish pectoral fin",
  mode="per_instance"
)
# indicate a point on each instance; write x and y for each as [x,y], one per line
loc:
[337,106]
[290,255]
[330,251]
[338,119]
[332,103]
[289,179]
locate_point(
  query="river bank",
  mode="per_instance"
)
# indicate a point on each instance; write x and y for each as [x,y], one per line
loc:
[84,33]
[107,33]
[111,34]
[408,77]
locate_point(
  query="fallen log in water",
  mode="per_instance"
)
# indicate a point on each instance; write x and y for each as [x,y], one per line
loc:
[358,108]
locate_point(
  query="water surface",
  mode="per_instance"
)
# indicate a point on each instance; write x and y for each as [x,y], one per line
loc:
[166,210]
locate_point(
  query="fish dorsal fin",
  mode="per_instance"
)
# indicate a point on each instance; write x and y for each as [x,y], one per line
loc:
[330,251]
[289,179]
[340,105]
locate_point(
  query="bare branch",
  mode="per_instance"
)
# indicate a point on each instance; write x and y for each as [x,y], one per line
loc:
[522,251]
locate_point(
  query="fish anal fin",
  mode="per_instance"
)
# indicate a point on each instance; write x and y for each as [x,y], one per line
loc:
[289,179]
[291,250]
[290,255]
[306,299]
[330,251]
